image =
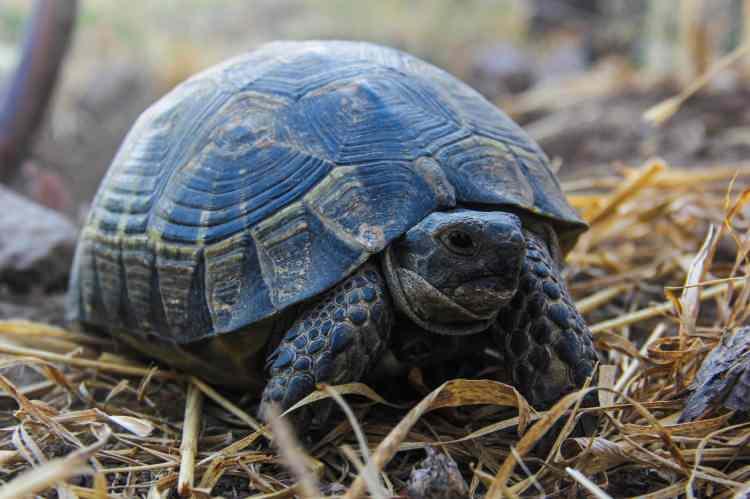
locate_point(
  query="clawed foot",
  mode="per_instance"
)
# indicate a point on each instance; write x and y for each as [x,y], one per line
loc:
[546,340]
[333,341]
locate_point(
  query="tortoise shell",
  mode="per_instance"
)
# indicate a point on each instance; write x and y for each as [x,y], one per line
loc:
[267,179]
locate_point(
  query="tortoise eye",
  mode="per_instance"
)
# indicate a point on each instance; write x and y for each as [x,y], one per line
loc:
[460,243]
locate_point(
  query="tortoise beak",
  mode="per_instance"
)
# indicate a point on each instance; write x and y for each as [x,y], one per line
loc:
[485,296]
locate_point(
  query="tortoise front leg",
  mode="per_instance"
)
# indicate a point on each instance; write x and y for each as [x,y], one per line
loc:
[544,338]
[335,340]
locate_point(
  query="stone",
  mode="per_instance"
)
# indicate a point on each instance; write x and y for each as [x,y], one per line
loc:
[437,477]
[36,244]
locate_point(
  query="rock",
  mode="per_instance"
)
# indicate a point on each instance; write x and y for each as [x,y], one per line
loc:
[36,243]
[723,379]
[437,477]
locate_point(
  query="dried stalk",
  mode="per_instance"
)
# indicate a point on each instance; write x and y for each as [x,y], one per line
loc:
[189,445]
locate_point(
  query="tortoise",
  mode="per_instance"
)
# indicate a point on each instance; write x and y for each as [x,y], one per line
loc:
[306,208]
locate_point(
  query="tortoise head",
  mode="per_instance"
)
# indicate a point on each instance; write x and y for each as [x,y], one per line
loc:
[453,271]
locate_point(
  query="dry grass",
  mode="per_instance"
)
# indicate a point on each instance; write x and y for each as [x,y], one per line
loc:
[660,276]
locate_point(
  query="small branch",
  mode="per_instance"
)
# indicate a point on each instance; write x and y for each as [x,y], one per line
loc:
[25,100]
[189,445]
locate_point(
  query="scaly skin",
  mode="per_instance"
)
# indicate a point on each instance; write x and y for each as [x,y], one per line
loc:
[545,339]
[335,340]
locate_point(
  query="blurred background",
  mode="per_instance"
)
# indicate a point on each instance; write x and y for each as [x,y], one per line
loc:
[577,74]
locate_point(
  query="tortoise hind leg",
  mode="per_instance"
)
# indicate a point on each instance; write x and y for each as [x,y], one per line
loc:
[545,339]
[335,339]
